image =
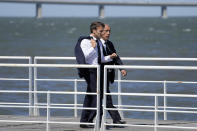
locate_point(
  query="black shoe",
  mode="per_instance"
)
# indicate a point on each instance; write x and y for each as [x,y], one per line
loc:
[86,126]
[119,122]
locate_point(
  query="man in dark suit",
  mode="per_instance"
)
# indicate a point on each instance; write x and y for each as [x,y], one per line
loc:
[108,49]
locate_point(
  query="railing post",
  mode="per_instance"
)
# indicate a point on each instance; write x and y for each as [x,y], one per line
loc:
[48,110]
[36,110]
[75,98]
[30,89]
[156,113]
[97,125]
[165,100]
[104,100]
[119,96]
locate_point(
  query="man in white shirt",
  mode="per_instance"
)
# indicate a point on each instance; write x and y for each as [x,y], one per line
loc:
[93,53]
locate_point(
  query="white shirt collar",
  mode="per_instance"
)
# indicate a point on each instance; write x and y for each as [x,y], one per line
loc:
[103,41]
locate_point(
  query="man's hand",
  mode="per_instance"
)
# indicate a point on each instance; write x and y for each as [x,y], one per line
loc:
[124,72]
[93,42]
[114,55]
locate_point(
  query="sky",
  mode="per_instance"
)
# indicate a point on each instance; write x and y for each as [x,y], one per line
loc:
[50,10]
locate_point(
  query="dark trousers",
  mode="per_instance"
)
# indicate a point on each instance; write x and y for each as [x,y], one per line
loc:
[91,100]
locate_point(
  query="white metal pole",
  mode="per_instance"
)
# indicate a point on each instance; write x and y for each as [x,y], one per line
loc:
[75,98]
[48,110]
[156,113]
[104,100]
[97,125]
[119,96]
[165,101]
[36,110]
[30,89]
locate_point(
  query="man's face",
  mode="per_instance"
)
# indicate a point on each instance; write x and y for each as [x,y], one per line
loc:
[106,33]
[98,31]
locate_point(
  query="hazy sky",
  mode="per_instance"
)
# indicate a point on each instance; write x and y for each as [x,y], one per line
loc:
[21,9]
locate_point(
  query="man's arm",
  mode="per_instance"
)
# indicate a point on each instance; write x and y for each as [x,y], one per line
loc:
[117,60]
[87,48]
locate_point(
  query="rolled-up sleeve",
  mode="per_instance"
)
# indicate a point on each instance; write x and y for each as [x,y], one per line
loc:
[106,59]
[87,48]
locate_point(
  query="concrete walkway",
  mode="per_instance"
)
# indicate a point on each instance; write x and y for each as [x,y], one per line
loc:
[13,126]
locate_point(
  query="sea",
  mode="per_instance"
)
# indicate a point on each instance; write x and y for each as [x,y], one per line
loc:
[174,37]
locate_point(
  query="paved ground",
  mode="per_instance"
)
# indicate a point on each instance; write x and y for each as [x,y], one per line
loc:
[13,126]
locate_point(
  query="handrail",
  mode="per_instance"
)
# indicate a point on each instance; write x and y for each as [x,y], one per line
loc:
[156,109]
[123,58]
[138,67]
[48,92]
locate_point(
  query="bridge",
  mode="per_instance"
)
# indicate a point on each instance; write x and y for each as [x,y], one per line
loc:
[102,4]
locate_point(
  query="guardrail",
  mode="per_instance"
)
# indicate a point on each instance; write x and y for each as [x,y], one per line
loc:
[76,106]
[119,81]
[20,79]
[48,106]
[155,109]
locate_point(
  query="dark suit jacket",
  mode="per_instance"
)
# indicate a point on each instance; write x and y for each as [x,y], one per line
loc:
[80,56]
[116,61]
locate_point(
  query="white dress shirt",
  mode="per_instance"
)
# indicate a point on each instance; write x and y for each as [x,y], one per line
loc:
[103,42]
[91,54]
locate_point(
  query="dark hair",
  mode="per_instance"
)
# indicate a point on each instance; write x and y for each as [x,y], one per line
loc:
[96,24]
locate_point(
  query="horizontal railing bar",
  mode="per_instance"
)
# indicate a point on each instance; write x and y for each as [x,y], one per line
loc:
[157,59]
[131,125]
[44,107]
[134,106]
[72,80]
[56,104]
[132,94]
[152,125]
[146,81]
[126,58]
[151,67]
[167,107]
[152,94]
[11,103]
[145,110]
[15,57]
[52,122]
[106,67]
[49,65]
[13,79]
[45,92]
[54,58]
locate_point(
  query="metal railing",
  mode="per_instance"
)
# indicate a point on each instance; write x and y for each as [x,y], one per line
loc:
[119,81]
[76,106]
[36,79]
[29,79]
[155,108]
[48,105]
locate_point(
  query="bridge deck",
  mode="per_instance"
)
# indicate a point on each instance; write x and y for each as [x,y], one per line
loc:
[13,126]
